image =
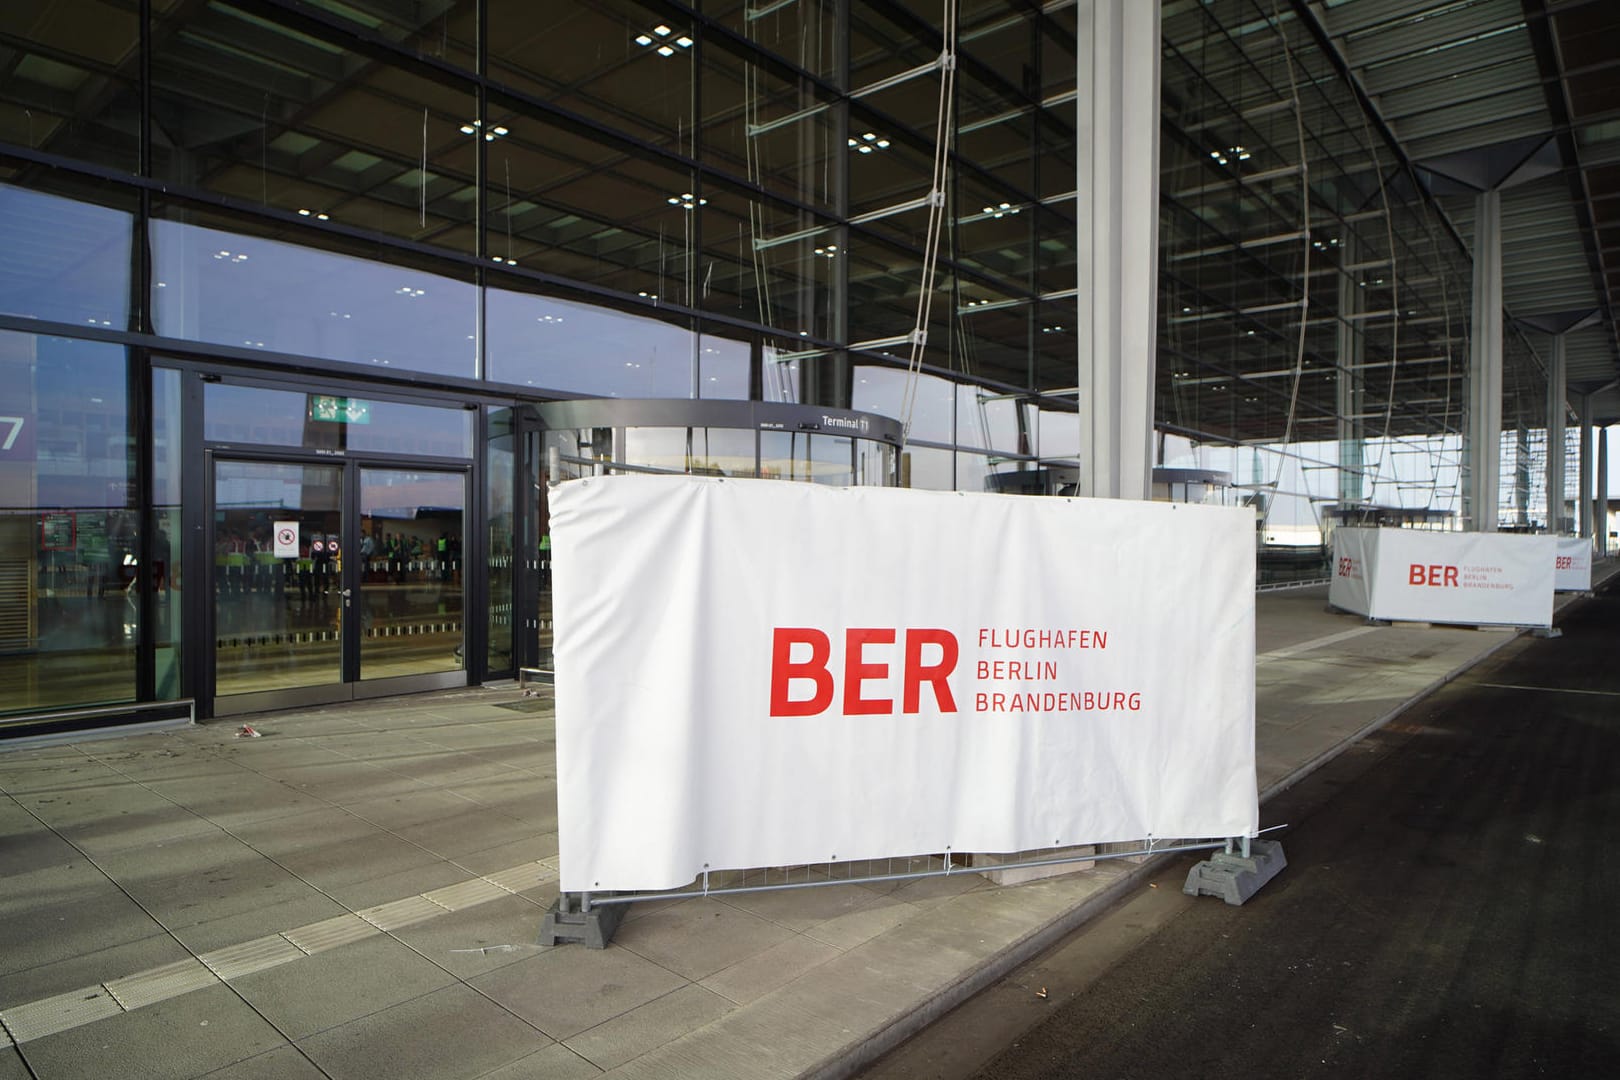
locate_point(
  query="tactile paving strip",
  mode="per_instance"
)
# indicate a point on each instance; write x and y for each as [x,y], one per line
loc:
[37,1019]
[401,913]
[161,983]
[48,1016]
[519,878]
[330,933]
[466,894]
[260,954]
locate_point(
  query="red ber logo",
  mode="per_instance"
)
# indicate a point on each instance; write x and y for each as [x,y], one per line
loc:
[1433,575]
[1347,567]
[859,670]
[1565,562]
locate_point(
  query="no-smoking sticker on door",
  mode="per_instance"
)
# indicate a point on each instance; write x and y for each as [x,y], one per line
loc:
[286,539]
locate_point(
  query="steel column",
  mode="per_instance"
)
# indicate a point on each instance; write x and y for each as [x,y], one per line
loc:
[1485,366]
[1351,356]
[1584,500]
[1117,221]
[1557,406]
[1601,503]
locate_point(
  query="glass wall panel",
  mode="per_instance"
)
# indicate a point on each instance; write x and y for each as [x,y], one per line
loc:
[266,113]
[773,131]
[63,259]
[69,527]
[772,264]
[805,35]
[590,210]
[725,368]
[167,577]
[252,415]
[566,346]
[928,468]
[444,30]
[882,390]
[411,611]
[69,81]
[614,61]
[803,456]
[500,472]
[258,293]
[723,452]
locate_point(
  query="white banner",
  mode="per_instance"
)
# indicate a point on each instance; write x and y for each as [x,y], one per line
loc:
[1572,571]
[1499,579]
[756,673]
[1352,551]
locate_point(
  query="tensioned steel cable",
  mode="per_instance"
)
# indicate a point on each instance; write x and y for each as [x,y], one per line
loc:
[936,223]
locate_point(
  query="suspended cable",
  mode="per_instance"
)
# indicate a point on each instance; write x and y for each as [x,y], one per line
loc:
[936,223]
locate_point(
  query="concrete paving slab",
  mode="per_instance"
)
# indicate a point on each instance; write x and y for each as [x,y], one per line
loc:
[392,887]
[255,922]
[125,830]
[699,937]
[470,832]
[640,1030]
[179,1038]
[12,1067]
[481,939]
[407,808]
[282,1063]
[555,1062]
[245,882]
[379,854]
[532,848]
[568,990]
[305,831]
[344,984]
[751,979]
[48,928]
[451,1034]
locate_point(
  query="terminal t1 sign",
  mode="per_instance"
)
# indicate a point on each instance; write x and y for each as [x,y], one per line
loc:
[763,673]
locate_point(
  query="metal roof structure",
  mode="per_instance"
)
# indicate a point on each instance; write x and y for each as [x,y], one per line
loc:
[1521,96]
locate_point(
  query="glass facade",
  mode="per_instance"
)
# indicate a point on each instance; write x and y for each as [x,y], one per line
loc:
[443,212]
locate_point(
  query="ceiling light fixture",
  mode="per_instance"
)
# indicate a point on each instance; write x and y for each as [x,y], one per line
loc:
[868,142]
[659,40]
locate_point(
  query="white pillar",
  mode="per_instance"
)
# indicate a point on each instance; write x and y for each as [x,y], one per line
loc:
[1485,366]
[1584,500]
[1601,507]
[1557,398]
[1117,214]
[1351,355]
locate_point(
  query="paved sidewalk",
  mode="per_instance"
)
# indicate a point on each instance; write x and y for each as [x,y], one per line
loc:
[357,893]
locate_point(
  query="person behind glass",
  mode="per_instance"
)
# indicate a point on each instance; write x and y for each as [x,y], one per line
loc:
[322,559]
[396,556]
[306,569]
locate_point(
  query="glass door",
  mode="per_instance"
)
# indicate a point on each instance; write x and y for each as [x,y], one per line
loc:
[412,580]
[334,581]
[278,602]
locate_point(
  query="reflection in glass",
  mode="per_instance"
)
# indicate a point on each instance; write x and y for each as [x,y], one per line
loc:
[795,455]
[166,575]
[255,293]
[69,533]
[63,260]
[278,616]
[411,533]
[70,80]
[584,349]
[254,415]
[724,368]
[248,107]
[502,563]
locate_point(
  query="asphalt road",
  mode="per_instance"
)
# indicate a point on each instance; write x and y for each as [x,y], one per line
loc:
[1451,908]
